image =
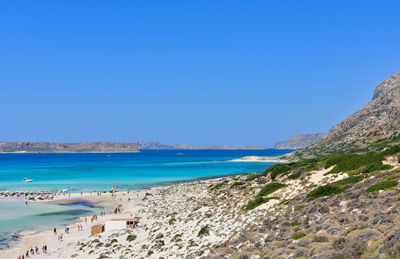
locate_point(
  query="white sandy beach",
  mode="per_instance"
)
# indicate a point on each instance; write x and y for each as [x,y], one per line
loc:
[173,219]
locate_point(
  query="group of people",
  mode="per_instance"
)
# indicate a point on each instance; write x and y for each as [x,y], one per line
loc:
[32,252]
[118,209]
[93,218]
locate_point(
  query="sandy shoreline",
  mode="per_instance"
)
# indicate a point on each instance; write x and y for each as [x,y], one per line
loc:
[265,159]
[131,206]
[181,220]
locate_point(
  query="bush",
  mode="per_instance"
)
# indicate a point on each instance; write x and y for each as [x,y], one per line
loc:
[312,167]
[130,238]
[349,180]
[171,221]
[217,186]
[204,231]
[235,184]
[258,201]
[294,176]
[270,188]
[299,235]
[376,167]
[382,186]
[298,207]
[276,170]
[325,190]
[251,177]
[355,161]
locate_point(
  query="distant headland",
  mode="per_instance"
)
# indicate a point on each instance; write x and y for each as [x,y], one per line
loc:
[107,147]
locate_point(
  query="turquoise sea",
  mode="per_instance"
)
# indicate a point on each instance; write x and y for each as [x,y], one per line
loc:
[97,172]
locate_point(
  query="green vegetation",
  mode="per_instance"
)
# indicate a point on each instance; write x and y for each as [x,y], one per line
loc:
[325,190]
[235,184]
[366,163]
[251,177]
[376,167]
[285,202]
[130,238]
[298,207]
[258,201]
[295,224]
[276,170]
[270,188]
[299,235]
[217,186]
[171,221]
[204,231]
[382,186]
[294,176]
[349,180]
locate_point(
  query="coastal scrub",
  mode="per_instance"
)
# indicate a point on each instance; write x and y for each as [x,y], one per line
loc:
[382,186]
[270,188]
[325,190]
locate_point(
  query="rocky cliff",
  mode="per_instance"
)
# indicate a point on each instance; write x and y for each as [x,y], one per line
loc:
[84,147]
[299,141]
[377,121]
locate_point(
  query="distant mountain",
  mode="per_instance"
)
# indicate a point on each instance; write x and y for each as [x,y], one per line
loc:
[84,147]
[299,141]
[378,121]
[157,145]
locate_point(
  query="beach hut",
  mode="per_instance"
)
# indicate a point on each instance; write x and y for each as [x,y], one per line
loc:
[97,229]
[120,224]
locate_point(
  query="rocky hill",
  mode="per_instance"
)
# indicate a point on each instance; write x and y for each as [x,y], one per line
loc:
[299,141]
[377,121]
[84,147]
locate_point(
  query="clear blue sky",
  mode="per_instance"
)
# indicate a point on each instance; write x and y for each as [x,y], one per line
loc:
[196,72]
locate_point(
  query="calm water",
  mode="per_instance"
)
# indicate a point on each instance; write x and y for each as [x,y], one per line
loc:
[89,172]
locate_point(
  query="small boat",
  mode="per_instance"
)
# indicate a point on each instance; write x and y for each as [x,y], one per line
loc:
[27,180]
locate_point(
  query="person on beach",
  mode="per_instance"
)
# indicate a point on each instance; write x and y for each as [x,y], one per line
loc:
[55,231]
[86,220]
[36,250]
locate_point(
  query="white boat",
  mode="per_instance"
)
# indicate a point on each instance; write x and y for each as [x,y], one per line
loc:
[26,180]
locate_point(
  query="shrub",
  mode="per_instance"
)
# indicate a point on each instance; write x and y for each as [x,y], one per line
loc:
[251,177]
[335,159]
[276,170]
[325,190]
[349,180]
[355,161]
[217,186]
[376,167]
[258,201]
[270,188]
[382,186]
[235,184]
[299,235]
[298,207]
[294,176]
[295,224]
[285,202]
[130,238]
[312,167]
[171,221]
[204,231]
